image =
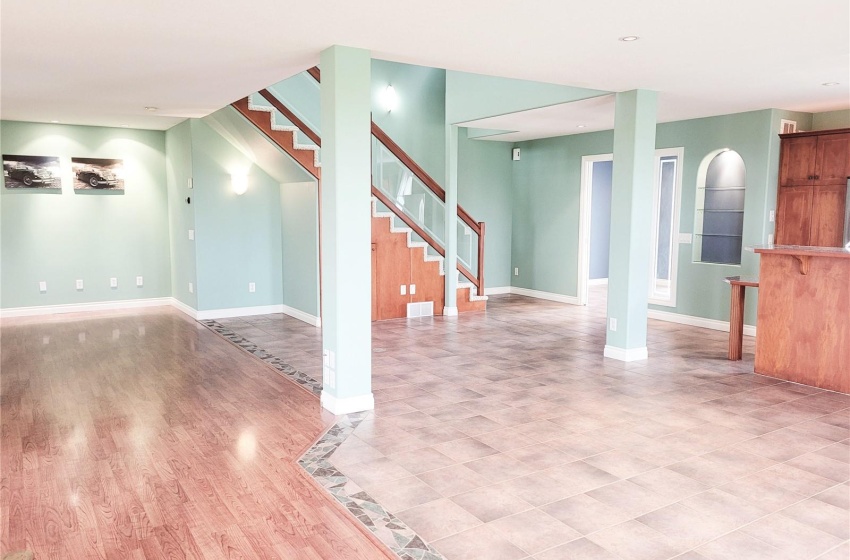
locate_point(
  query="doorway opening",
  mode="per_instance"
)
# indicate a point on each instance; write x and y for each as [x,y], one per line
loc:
[595,228]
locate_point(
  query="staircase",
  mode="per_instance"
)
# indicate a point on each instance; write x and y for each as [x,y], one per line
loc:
[409,255]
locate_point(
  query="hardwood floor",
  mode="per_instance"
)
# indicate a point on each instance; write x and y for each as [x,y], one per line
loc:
[145,435]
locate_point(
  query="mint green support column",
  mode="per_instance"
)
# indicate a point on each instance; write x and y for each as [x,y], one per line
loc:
[346,230]
[631,224]
[450,262]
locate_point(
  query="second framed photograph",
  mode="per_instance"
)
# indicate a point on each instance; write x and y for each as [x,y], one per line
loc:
[96,173]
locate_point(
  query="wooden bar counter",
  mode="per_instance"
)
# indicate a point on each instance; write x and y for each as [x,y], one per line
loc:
[804,316]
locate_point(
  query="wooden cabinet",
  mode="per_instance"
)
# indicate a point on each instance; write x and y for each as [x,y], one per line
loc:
[813,172]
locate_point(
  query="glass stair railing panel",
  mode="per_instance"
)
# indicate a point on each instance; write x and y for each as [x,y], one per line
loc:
[467,248]
[407,193]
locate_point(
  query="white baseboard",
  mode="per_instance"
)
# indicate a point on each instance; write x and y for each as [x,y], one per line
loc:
[545,295]
[83,307]
[302,316]
[347,405]
[497,291]
[597,282]
[258,310]
[625,354]
[180,306]
[449,311]
[702,322]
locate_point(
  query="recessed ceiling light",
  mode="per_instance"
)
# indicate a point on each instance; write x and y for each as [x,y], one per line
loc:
[829,84]
[124,126]
[151,109]
[629,38]
[580,126]
[54,121]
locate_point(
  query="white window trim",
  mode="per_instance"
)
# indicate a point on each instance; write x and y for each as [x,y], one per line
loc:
[655,298]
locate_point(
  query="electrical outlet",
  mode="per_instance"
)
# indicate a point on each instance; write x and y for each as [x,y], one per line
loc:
[413,289]
[189,181]
[191,235]
[113,282]
[140,281]
[772,216]
[42,287]
[516,271]
[79,284]
[252,287]
[612,324]
[403,290]
[770,239]
[191,288]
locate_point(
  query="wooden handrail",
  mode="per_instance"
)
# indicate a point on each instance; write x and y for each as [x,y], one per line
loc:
[420,232]
[434,186]
[293,118]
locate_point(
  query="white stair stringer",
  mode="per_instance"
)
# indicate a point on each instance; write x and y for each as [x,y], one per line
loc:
[473,291]
[286,128]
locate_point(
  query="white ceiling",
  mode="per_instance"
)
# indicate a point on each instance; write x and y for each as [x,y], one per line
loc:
[100,61]
[578,117]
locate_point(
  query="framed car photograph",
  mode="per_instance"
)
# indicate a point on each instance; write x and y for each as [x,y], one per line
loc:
[98,174]
[31,172]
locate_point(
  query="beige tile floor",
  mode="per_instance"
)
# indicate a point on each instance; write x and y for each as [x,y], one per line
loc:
[507,435]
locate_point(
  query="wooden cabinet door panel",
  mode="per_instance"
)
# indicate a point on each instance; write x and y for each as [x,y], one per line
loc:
[833,156]
[797,165]
[375,292]
[392,262]
[828,215]
[793,216]
[425,275]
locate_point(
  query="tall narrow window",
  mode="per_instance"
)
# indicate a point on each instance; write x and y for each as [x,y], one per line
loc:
[665,226]
[720,208]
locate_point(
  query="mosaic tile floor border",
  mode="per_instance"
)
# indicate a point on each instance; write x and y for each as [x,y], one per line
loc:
[287,370]
[393,532]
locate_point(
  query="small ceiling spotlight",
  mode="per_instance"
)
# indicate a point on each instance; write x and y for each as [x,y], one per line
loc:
[829,84]
[151,109]
[580,125]
[124,125]
[629,38]
[54,122]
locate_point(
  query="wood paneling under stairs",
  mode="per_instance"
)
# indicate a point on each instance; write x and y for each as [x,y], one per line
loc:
[148,436]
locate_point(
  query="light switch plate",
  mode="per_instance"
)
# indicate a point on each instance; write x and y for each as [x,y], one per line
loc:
[191,235]
[140,281]
[113,282]
[413,289]
[79,284]
[772,216]
[42,287]
[403,290]
[191,288]
[252,287]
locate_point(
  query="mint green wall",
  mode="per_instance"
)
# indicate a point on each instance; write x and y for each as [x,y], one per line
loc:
[237,237]
[545,218]
[416,124]
[62,236]
[484,190]
[181,216]
[300,246]
[546,186]
[300,94]
[476,96]
[830,120]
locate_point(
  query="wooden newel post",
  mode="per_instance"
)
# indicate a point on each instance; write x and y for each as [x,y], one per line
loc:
[481,258]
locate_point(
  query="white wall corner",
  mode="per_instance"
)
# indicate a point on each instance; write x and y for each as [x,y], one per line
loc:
[449,311]
[182,307]
[572,300]
[347,405]
[625,354]
[302,316]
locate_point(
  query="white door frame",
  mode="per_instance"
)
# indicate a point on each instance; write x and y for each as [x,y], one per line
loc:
[584,222]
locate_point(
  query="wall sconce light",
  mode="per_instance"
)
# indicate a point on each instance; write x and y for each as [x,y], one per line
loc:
[239,181]
[390,99]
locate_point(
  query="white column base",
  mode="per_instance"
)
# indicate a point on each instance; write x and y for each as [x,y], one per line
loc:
[347,405]
[450,311]
[626,355]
